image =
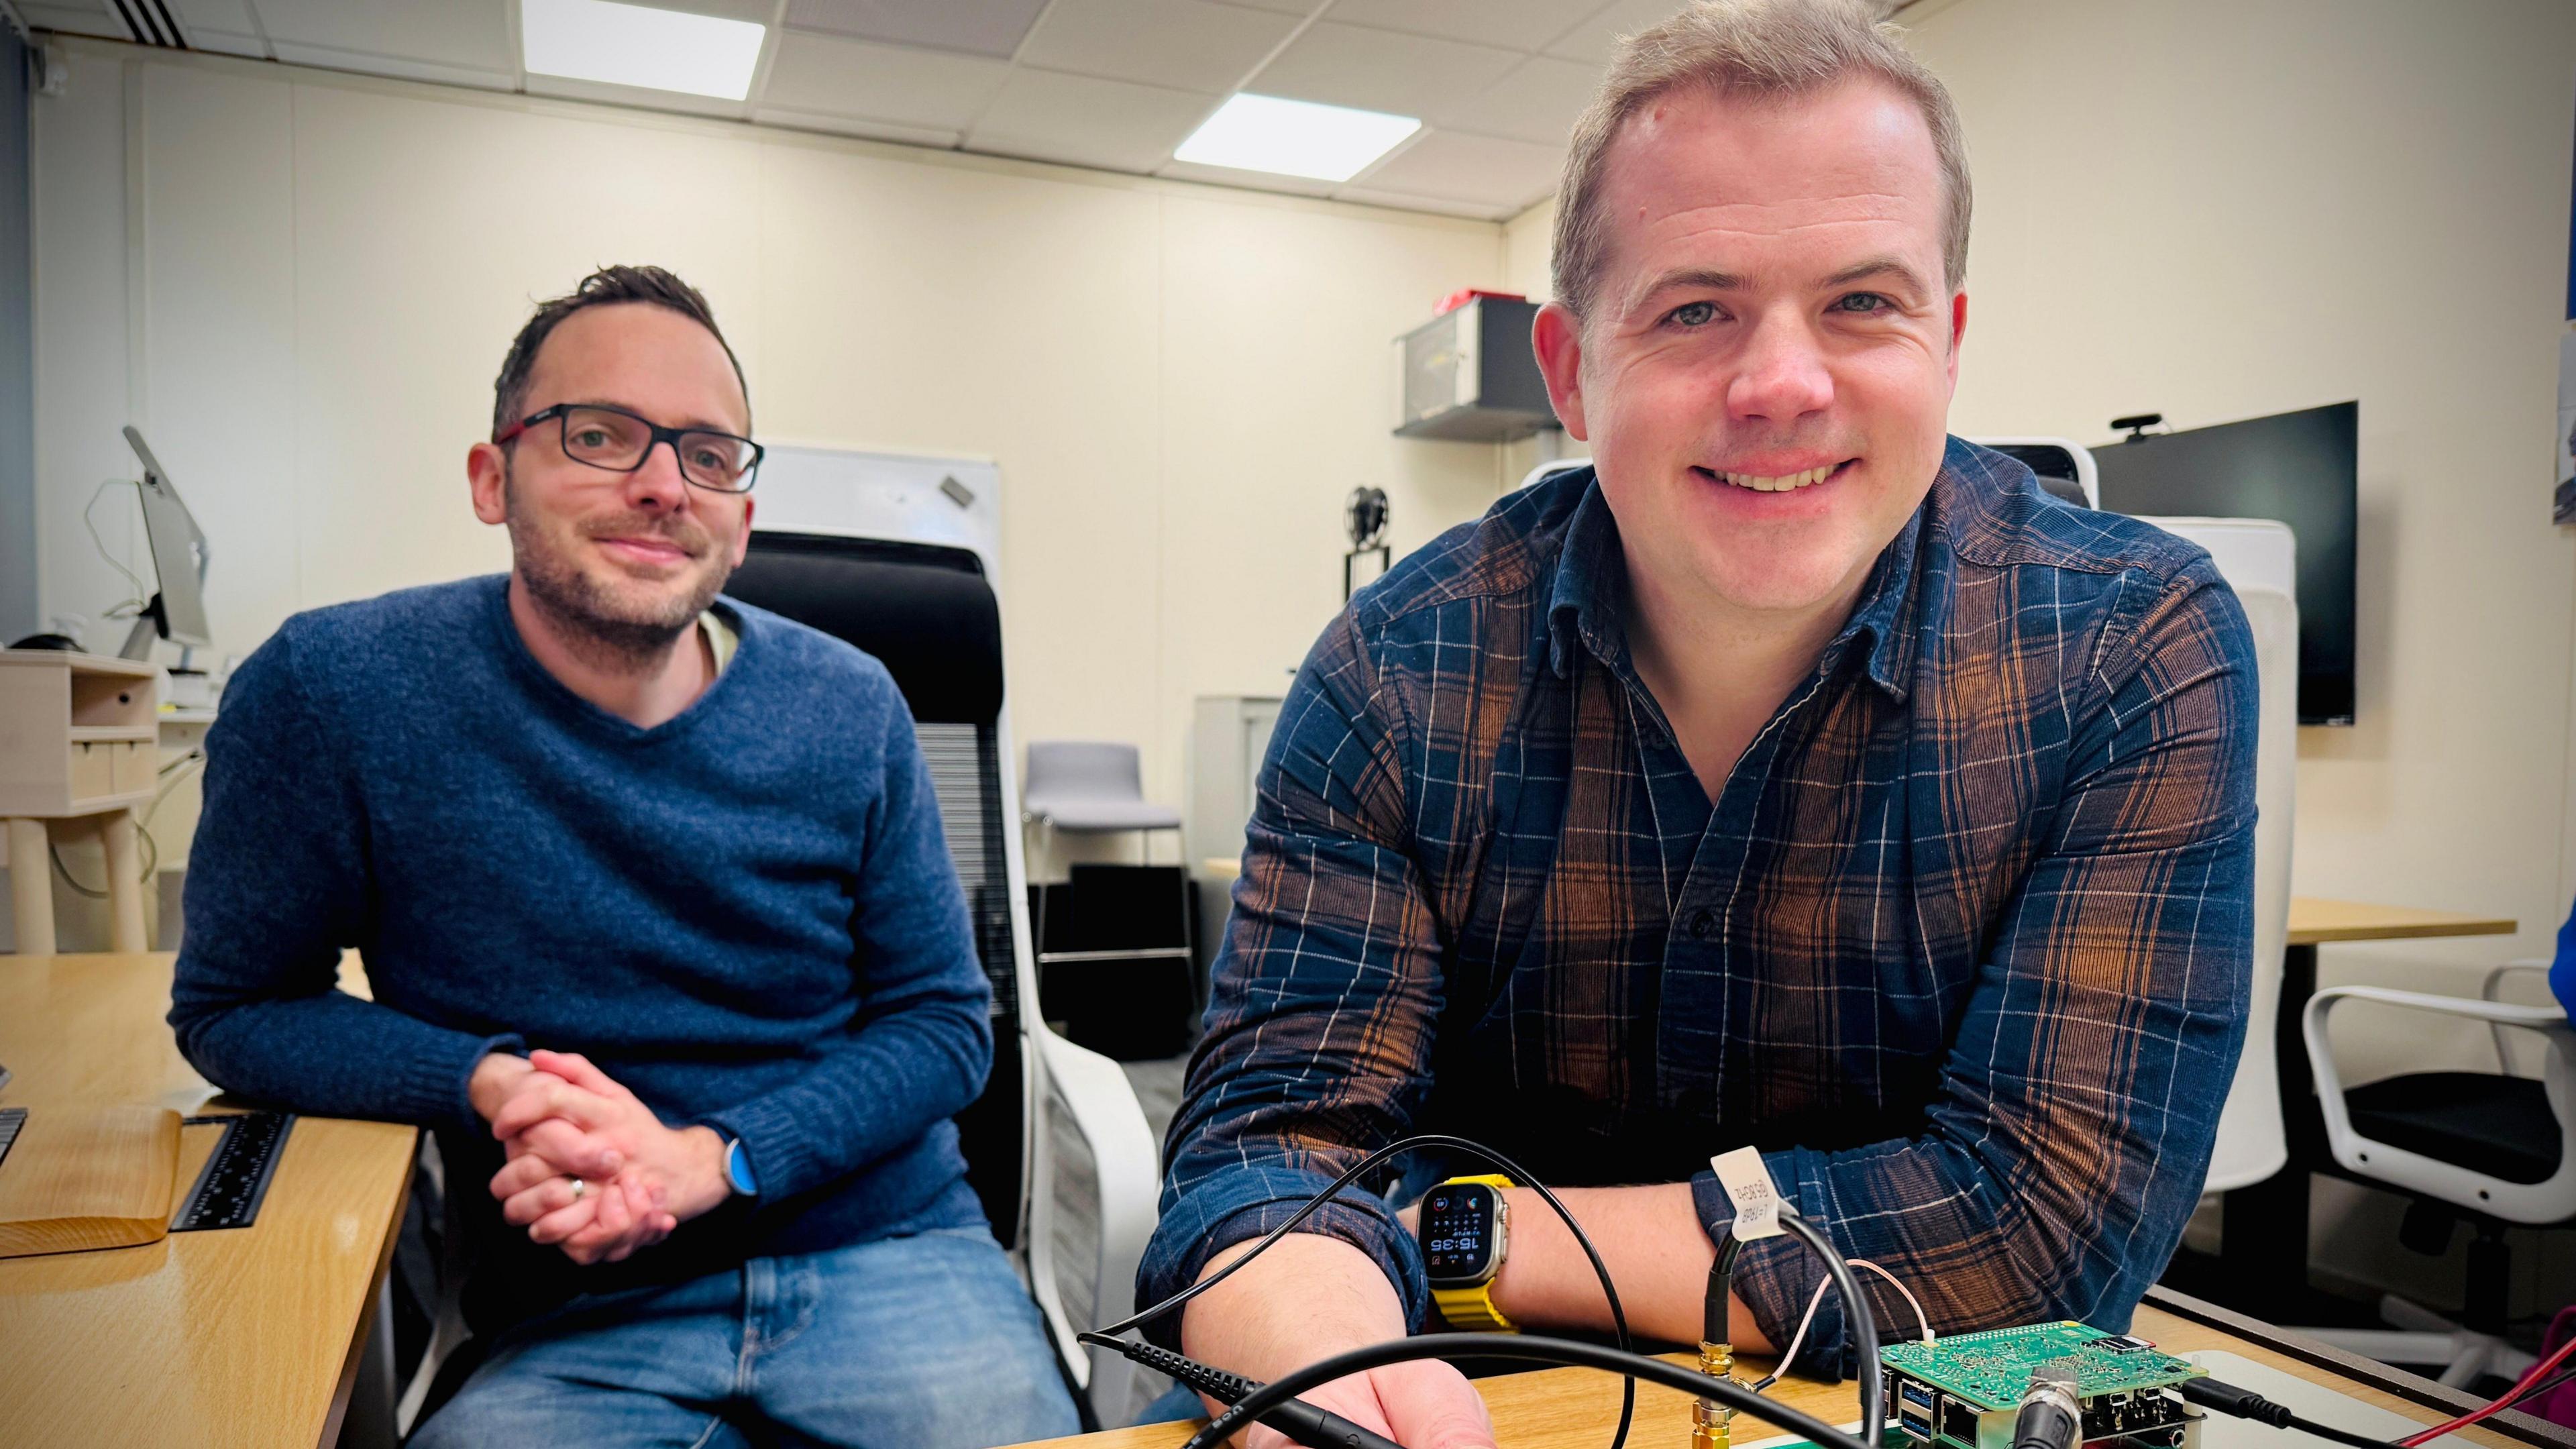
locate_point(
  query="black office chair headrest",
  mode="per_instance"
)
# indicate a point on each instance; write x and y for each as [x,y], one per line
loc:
[926,610]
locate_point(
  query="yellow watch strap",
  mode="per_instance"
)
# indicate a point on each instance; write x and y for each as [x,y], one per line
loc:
[1472,1310]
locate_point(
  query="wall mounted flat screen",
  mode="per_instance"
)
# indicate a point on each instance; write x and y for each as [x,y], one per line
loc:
[2301,468]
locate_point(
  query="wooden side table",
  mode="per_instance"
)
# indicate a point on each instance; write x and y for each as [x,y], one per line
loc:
[78,750]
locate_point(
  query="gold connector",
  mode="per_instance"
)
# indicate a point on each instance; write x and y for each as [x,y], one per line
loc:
[1711,1421]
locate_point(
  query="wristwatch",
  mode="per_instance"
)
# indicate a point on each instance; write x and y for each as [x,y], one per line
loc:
[1466,1232]
[737,1169]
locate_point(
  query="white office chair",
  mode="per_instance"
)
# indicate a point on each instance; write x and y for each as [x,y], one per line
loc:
[2499,1147]
[1058,1148]
[2062,466]
[2259,559]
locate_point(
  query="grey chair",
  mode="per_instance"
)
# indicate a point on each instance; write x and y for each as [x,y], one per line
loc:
[1097,787]
[1092,787]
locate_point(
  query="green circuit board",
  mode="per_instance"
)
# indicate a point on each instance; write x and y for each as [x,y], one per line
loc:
[1992,1370]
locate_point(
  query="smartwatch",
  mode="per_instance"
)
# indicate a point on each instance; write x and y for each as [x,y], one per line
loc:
[1465,1234]
[737,1169]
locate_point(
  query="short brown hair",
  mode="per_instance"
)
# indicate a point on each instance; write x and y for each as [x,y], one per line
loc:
[1771,49]
[608,284]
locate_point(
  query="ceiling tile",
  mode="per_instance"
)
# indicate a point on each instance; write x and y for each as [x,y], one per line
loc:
[1538,102]
[853,126]
[1253,180]
[1191,44]
[1116,125]
[977,27]
[642,98]
[220,43]
[473,34]
[1280,7]
[757,12]
[1380,70]
[1469,168]
[1592,40]
[1517,24]
[72,17]
[231,17]
[830,76]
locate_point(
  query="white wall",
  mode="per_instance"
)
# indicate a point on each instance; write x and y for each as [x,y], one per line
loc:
[2215,210]
[300,284]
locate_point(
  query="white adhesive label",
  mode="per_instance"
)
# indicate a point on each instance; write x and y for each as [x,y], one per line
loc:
[1748,1185]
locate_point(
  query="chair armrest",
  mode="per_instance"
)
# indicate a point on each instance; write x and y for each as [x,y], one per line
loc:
[1101,1107]
[2503,1013]
[2496,975]
[2538,965]
[1090,1094]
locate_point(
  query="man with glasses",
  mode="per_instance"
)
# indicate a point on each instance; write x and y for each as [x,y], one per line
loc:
[662,936]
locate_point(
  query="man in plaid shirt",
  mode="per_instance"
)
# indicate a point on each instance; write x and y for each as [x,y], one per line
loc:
[1793,777]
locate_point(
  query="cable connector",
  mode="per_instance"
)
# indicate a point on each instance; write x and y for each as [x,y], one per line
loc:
[2050,1416]
[2243,1403]
[1712,1423]
[1299,1420]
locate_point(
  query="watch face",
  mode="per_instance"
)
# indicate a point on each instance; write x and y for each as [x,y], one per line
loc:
[1458,1233]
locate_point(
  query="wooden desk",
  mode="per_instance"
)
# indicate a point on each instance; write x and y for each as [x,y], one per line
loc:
[2315,921]
[242,1337]
[1577,1408]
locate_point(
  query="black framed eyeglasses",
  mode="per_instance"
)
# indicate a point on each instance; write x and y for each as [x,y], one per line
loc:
[619,441]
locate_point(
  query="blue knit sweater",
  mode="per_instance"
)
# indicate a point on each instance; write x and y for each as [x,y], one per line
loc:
[746,914]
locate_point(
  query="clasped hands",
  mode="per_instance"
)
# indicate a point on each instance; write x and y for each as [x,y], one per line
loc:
[590,1168]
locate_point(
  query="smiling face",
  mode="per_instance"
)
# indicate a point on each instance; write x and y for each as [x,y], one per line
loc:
[1766,372]
[627,559]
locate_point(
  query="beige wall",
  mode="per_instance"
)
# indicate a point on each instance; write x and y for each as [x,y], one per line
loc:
[2215,210]
[301,284]
[1525,250]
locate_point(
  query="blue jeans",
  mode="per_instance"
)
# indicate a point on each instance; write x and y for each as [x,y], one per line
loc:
[920,1342]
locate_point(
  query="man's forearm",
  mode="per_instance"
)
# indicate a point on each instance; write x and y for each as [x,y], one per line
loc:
[331,1055]
[1308,1297]
[1651,1240]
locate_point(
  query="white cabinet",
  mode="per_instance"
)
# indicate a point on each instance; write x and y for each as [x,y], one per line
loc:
[1229,733]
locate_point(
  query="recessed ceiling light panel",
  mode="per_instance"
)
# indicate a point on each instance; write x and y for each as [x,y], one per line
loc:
[639,45]
[1294,138]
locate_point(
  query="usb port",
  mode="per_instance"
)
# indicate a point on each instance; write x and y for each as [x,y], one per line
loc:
[1916,1426]
[1915,1394]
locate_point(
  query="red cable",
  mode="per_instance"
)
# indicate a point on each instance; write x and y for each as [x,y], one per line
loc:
[2538,1372]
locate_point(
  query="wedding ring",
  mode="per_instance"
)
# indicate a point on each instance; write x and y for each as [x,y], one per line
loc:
[580,1188]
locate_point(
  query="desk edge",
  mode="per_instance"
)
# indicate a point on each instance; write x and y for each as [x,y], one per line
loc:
[2511,1423]
[352,1361]
[2420,931]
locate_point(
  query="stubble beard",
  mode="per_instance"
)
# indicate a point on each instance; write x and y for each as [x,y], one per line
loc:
[608,632]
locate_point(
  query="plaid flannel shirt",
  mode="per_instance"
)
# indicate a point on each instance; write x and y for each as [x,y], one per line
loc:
[1963,944]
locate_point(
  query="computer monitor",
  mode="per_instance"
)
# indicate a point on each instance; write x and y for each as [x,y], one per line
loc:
[2301,468]
[177,611]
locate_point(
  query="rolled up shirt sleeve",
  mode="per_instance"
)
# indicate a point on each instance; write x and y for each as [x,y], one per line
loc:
[1323,998]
